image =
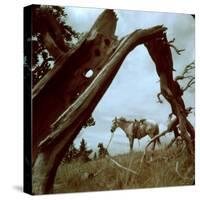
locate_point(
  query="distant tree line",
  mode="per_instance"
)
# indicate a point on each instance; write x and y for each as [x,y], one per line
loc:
[82,153]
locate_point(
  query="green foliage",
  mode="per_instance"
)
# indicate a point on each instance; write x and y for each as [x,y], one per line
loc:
[83,151]
[83,145]
[42,61]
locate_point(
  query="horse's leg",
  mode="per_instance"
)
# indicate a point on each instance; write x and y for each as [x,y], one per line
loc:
[131,141]
[152,150]
[154,145]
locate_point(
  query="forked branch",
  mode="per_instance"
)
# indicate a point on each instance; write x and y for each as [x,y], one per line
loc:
[189,84]
[178,51]
[186,72]
[172,124]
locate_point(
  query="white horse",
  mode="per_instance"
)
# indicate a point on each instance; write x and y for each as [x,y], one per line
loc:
[136,129]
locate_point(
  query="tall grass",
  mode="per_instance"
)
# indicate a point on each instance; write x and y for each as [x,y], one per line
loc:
[161,172]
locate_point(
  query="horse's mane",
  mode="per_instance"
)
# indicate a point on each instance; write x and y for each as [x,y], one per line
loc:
[125,120]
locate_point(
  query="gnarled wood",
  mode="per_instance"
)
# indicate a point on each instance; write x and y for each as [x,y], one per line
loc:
[159,50]
[66,81]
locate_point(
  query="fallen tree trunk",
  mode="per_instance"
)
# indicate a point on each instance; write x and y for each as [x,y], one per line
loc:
[66,81]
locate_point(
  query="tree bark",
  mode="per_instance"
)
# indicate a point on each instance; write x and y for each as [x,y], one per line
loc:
[66,81]
[159,50]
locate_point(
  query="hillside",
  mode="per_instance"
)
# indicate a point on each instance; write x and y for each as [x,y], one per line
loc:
[169,168]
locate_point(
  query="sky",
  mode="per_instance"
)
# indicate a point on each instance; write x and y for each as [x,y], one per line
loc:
[133,91]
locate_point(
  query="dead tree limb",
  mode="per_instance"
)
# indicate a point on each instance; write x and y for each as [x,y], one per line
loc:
[121,166]
[66,81]
[158,96]
[189,84]
[160,52]
[171,126]
[178,51]
[186,74]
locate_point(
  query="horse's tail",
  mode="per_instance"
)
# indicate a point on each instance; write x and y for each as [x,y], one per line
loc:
[157,132]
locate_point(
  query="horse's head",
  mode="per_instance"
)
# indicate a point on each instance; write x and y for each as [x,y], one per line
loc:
[114,124]
[136,123]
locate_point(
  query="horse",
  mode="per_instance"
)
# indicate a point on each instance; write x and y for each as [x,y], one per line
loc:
[136,129]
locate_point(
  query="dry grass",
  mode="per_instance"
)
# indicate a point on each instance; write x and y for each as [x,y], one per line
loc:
[161,172]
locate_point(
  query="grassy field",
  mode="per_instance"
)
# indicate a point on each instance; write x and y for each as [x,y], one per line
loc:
[103,174]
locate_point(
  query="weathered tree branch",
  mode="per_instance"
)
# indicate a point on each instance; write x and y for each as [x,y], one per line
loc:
[121,166]
[178,51]
[189,84]
[158,96]
[170,89]
[188,68]
[186,75]
[66,81]
[171,127]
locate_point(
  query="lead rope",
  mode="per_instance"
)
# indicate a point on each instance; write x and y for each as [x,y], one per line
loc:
[112,134]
